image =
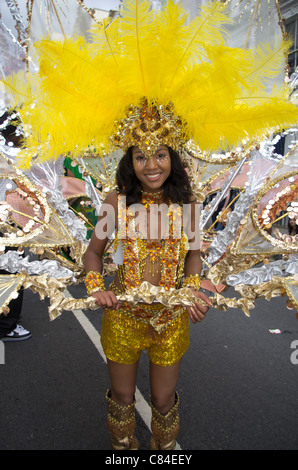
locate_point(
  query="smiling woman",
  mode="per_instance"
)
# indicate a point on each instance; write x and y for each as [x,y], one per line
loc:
[146,181]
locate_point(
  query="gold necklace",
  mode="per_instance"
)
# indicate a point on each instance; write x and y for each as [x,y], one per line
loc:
[152,198]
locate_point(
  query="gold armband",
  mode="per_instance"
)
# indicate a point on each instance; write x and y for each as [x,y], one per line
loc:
[193,280]
[94,282]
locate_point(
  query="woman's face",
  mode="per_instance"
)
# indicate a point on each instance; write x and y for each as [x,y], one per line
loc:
[152,172]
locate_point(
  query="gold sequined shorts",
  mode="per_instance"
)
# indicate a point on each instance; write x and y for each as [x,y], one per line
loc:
[124,337]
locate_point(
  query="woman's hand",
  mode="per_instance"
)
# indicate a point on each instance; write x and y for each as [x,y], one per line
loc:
[106,299]
[198,311]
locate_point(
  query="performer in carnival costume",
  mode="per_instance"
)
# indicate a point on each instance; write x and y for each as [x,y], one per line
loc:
[153,178]
[154,87]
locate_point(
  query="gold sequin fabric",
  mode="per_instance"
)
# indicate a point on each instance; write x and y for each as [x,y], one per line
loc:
[166,256]
[124,337]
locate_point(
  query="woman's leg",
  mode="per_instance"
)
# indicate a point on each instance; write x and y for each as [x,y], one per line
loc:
[163,382]
[121,405]
[164,403]
[123,379]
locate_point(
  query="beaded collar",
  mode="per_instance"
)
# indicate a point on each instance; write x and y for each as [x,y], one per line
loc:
[152,198]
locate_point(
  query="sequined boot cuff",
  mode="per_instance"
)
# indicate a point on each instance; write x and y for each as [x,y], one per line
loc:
[165,428]
[121,425]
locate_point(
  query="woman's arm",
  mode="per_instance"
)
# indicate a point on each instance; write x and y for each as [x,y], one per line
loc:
[93,259]
[193,268]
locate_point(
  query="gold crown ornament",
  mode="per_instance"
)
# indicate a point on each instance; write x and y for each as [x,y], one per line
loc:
[148,126]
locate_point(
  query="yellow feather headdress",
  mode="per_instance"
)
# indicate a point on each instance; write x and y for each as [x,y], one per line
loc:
[148,77]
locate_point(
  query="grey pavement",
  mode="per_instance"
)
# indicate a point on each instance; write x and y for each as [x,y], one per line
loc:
[238,386]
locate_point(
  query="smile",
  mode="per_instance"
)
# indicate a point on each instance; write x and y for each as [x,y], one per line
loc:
[153,177]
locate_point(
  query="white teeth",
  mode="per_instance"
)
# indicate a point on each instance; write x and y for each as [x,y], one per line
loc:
[153,176]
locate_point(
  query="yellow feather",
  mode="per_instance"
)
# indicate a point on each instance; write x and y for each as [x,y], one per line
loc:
[106,36]
[137,19]
[232,125]
[205,29]
[266,61]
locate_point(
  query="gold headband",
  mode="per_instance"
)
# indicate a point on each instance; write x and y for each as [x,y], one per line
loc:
[147,127]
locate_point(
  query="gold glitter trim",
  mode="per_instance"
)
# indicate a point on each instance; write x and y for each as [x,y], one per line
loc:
[193,280]
[94,282]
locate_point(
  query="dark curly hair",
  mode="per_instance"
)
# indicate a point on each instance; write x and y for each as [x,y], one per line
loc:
[176,188]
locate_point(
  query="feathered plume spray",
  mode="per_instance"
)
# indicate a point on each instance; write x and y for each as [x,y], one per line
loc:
[83,88]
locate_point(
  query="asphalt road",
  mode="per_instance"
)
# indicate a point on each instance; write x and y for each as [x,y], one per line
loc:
[238,386]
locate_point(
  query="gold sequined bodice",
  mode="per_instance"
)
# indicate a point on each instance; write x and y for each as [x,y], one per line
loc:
[162,260]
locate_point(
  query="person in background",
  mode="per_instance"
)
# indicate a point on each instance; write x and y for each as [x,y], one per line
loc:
[10,327]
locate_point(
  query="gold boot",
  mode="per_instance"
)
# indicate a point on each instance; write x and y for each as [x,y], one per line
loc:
[121,424]
[165,428]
